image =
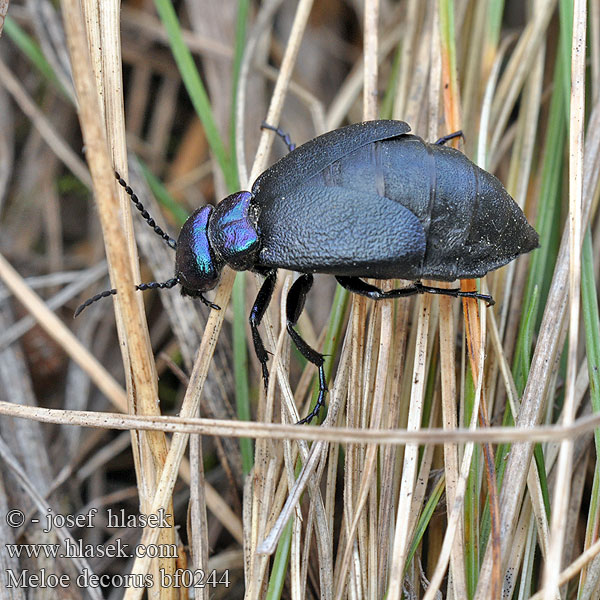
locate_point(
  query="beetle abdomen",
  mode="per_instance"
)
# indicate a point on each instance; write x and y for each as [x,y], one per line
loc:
[471,224]
[475,226]
[394,208]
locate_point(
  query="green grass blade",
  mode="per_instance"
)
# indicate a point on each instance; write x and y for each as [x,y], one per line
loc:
[425,518]
[494,22]
[565,12]
[240,365]
[240,349]
[548,222]
[387,105]
[591,321]
[280,564]
[240,42]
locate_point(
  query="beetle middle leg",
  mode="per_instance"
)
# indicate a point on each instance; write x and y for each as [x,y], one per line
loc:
[294,306]
[358,286]
[450,136]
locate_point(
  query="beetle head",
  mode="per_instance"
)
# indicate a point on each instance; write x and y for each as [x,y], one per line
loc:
[197,267]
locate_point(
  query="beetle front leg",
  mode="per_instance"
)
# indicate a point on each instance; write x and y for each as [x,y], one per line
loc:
[256,314]
[294,306]
[358,286]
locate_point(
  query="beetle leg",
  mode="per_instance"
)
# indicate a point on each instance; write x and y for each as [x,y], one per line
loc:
[193,294]
[450,136]
[256,314]
[284,136]
[294,306]
[358,286]
[454,292]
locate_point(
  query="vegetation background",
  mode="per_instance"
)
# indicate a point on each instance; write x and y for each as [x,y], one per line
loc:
[392,501]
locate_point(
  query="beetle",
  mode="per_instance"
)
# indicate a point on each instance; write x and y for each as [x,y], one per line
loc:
[369,200]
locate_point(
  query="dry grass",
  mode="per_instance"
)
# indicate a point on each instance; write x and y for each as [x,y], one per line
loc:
[424,480]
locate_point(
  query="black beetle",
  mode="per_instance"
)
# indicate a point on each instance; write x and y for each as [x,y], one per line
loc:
[367,200]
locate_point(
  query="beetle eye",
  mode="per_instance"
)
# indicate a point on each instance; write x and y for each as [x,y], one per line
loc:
[196,266]
[232,231]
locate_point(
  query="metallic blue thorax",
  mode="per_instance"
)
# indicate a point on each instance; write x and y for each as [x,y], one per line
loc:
[232,231]
[212,237]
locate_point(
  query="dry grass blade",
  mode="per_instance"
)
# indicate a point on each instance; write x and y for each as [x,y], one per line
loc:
[565,461]
[457,507]
[102,123]
[278,431]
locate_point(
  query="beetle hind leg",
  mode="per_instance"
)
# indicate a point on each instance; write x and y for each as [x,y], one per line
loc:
[450,136]
[358,286]
[454,292]
[294,306]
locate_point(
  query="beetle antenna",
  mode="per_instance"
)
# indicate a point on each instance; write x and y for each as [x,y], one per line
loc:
[142,287]
[145,215]
[284,136]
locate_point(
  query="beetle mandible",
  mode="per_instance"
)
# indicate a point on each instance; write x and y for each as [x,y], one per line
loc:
[367,200]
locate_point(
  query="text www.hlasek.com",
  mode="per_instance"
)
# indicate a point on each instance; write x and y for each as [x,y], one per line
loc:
[77,549]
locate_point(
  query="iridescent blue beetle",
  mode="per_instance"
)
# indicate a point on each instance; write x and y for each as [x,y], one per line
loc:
[367,200]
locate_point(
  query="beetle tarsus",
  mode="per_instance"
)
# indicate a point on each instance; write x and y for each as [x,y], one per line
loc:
[294,306]
[284,136]
[454,292]
[320,400]
[208,303]
[450,136]
[265,376]
[199,295]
